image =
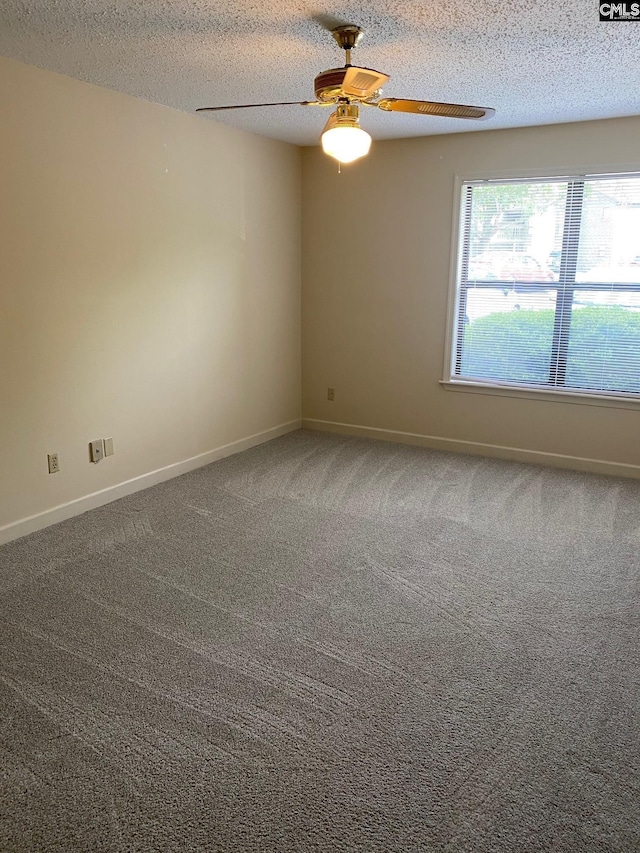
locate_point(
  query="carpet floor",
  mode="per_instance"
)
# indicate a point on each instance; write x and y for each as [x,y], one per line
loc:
[328,644]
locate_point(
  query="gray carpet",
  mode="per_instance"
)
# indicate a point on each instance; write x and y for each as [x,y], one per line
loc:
[328,644]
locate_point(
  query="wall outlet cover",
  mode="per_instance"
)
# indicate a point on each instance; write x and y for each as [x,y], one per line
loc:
[53,460]
[96,450]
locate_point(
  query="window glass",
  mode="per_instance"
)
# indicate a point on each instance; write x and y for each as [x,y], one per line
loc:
[548,285]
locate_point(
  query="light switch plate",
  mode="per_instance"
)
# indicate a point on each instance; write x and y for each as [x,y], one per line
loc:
[108,447]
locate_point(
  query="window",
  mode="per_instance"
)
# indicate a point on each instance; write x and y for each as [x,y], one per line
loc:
[548,285]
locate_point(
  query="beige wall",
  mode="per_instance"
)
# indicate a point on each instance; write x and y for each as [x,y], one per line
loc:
[149,283]
[376,258]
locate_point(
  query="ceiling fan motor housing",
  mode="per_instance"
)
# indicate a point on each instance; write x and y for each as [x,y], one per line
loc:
[358,84]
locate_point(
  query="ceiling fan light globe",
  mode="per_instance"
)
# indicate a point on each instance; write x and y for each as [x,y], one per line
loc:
[346,143]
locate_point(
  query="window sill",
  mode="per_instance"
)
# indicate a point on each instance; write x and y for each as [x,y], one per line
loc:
[607,401]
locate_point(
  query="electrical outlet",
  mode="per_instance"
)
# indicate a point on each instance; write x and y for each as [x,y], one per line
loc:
[108,447]
[96,450]
[331,394]
[54,462]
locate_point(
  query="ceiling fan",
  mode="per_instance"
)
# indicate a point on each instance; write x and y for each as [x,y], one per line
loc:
[350,87]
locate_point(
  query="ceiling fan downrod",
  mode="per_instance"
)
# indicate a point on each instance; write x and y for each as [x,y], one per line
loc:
[347,36]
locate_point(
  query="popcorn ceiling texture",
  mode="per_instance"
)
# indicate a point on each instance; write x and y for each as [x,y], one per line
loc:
[536,63]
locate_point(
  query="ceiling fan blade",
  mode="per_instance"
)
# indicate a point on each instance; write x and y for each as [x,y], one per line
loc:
[435,108]
[247,106]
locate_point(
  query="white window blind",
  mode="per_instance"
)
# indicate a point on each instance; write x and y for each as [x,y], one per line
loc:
[548,284]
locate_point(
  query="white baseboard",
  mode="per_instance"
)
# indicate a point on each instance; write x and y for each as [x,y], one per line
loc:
[476,448]
[76,507]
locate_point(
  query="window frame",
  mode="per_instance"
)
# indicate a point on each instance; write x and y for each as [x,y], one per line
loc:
[450,381]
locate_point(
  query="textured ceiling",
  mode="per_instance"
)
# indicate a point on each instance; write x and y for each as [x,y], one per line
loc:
[535,62]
